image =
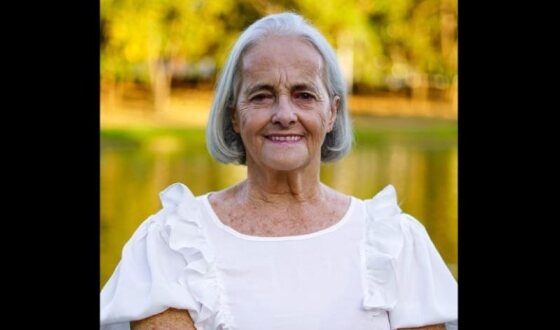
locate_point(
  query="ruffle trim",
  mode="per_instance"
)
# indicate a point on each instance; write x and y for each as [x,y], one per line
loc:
[383,244]
[184,234]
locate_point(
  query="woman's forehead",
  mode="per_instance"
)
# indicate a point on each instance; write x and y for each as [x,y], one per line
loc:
[282,60]
[277,52]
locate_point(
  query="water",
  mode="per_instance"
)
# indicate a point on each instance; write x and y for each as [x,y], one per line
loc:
[422,167]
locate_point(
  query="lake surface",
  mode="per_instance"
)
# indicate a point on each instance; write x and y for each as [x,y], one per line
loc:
[419,158]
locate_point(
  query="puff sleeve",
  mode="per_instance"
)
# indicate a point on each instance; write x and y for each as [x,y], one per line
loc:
[167,263]
[405,274]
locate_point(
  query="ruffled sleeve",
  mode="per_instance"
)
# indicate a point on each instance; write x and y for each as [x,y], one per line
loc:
[405,274]
[167,263]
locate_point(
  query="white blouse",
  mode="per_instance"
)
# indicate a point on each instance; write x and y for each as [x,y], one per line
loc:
[376,268]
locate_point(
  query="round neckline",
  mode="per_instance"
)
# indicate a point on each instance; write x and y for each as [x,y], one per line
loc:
[238,234]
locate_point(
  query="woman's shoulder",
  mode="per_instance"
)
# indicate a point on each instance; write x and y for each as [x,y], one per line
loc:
[388,227]
[175,194]
[383,204]
[177,223]
[166,263]
[384,209]
[177,199]
[178,205]
[180,217]
[400,257]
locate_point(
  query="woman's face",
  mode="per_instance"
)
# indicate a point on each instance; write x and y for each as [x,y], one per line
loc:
[283,110]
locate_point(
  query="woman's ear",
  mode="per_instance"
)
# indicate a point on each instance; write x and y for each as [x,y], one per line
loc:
[234,119]
[333,111]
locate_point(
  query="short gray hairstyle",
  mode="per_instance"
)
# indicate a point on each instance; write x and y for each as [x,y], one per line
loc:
[224,144]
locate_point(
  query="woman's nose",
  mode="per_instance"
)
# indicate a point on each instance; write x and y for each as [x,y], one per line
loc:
[284,112]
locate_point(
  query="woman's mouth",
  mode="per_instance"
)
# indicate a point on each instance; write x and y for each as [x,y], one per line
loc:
[284,139]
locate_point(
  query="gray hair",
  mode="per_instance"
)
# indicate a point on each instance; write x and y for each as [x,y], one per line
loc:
[224,144]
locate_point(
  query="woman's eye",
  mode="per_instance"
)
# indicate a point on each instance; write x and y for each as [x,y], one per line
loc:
[260,97]
[305,96]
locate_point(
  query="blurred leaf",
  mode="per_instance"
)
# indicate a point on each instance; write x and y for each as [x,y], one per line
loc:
[388,39]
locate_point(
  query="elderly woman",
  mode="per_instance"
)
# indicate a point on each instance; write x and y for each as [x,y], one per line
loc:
[279,250]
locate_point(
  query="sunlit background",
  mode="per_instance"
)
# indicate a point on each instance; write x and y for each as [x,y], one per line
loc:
[160,61]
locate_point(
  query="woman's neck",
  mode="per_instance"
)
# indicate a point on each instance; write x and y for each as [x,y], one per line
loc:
[279,187]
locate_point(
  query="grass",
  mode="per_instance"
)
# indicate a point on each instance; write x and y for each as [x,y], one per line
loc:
[374,130]
[367,131]
[142,134]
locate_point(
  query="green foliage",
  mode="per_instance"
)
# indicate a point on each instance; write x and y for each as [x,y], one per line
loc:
[388,38]
[135,33]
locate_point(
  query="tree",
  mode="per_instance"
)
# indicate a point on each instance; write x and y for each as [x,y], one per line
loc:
[146,40]
[380,44]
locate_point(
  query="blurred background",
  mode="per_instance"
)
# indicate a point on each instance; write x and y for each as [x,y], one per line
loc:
[161,59]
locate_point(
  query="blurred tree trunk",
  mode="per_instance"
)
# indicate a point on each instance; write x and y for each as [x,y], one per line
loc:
[108,102]
[455,95]
[112,94]
[419,85]
[160,82]
[345,54]
[447,30]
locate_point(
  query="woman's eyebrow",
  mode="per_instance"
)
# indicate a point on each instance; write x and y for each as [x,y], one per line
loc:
[267,87]
[258,87]
[305,86]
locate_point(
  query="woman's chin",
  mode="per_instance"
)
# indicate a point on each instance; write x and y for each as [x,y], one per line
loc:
[285,164]
[283,160]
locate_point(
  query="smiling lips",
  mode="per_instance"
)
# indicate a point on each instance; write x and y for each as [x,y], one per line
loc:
[284,138]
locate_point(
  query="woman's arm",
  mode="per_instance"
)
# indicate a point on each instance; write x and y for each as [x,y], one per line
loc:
[171,319]
[181,320]
[428,327]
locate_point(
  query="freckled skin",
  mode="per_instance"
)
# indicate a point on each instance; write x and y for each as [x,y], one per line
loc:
[170,319]
[272,220]
[429,327]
